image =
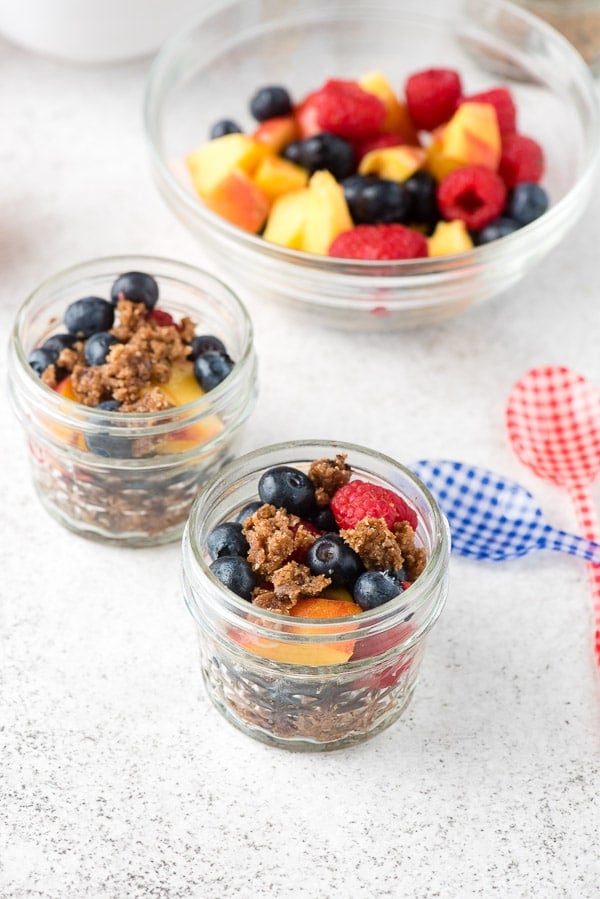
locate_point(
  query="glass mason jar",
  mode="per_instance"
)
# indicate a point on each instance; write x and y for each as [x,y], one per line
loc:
[578,20]
[277,677]
[130,477]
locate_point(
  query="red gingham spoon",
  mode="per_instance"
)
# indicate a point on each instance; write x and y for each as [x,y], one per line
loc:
[553,420]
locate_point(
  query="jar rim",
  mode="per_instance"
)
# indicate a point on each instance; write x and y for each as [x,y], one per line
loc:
[138,423]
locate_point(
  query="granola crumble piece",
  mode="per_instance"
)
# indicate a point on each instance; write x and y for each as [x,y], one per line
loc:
[293,581]
[49,376]
[89,385]
[71,356]
[270,533]
[376,545]
[126,371]
[131,315]
[328,475]
[415,557]
[153,400]
[187,330]
[267,599]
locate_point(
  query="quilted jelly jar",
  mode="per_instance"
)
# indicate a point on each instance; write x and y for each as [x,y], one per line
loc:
[311,684]
[130,478]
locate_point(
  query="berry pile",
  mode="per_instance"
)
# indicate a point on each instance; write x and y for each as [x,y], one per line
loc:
[124,354]
[318,544]
[355,170]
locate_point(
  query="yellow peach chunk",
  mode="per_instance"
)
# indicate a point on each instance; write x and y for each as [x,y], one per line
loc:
[397,118]
[471,137]
[211,163]
[449,238]
[327,213]
[276,176]
[393,163]
[285,224]
[238,199]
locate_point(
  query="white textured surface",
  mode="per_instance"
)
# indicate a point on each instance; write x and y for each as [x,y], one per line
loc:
[117,778]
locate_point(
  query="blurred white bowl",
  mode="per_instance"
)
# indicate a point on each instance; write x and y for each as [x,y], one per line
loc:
[93,31]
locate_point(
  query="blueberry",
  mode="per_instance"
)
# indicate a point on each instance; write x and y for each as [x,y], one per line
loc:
[422,192]
[323,151]
[227,539]
[248,510]
[324,520]
[223,127]
[89,315]
[211,368]
[206,343]
[110,446]
[137,287]
[269,102]
[373,588]
[59,342]
[40,359]
[289,488]
[331,556]
[96,347]
[235,573]
[375,200]
[109,405]
[526,203]
[500,227]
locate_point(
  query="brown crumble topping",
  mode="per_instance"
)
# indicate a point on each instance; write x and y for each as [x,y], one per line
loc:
[145,354]
[49,376]
[376,545]
[328,475]
[415,557]
[295,581]
[271,534]
[70,356]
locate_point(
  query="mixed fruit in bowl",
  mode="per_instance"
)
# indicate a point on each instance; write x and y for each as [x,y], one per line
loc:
[314,597]
[354,170]
[132,388]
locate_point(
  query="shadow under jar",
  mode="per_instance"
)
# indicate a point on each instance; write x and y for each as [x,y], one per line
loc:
[130,478]
[245,650]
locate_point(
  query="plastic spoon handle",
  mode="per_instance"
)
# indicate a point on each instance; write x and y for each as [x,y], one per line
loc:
[573,544]
[590,527]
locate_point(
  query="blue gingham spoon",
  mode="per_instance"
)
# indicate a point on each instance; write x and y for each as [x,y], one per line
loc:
[493,518]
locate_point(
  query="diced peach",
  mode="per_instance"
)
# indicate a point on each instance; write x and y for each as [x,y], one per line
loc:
[277,133]
[311,654]
[276,176]
[393,163]
[449,238]
[285,224]
[238,199]
[65,388]
[211,163]
[327,213]
[471,137]
[182,386]
[397,117]
[194,435]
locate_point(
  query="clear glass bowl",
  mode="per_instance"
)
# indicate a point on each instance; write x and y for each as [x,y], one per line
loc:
[310,706]
[141,493]
[209,71]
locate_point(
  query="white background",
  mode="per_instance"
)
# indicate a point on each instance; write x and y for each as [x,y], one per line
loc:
[117,777]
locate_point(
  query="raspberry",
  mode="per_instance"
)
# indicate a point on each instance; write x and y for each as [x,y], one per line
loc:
[345,109]
[358,500]
[389,241]
[522,160]
[432,97]
[501,99]
[387,139]
[473,194]
[161,318]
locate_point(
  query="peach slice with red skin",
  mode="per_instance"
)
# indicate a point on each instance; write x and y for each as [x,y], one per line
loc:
[277,133]
[240,201]
[397,116]
[471,137]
